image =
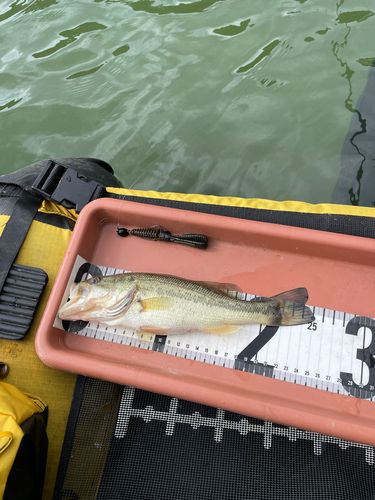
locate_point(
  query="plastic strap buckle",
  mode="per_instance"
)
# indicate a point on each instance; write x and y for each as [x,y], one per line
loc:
[66,187]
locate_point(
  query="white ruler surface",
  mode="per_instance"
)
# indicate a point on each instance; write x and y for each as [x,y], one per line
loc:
[335,353]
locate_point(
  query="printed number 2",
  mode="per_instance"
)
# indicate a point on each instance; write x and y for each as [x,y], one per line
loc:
[365,355]
[256,345]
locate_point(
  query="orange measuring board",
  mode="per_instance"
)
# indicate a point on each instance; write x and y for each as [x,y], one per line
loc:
[317,376]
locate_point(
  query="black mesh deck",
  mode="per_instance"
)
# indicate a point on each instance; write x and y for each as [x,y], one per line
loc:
[123,443]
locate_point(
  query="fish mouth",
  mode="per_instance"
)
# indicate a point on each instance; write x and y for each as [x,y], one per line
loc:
[72,309]
[77,303]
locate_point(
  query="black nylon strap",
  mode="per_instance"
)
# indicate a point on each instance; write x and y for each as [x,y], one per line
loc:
[16,230]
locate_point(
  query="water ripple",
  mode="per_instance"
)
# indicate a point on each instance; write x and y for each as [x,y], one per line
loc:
[79,74]
[70,36]
[265,52]
[178,8]
[367,61]
[13,10]
[10,104]
[354,16]
[121,50]
[233,29]
[215,96]
[25,7]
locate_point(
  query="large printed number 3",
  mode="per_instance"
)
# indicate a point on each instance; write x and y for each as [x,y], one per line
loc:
[365,355]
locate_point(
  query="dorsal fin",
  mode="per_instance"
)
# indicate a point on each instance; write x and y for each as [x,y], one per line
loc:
[222,288]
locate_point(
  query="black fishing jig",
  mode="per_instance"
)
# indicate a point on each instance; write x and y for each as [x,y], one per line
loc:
[158,234]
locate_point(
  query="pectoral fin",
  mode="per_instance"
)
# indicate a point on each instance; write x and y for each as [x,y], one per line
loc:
[225,329]
[156,304]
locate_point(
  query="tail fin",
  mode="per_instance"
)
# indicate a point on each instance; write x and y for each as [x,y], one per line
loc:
[293,308]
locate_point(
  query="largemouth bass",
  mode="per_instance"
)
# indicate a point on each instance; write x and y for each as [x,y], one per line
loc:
[163,305]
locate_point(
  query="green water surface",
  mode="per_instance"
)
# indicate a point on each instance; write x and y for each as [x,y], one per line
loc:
[224,97]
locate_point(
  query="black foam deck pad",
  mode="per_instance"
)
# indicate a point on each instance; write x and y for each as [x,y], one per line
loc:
[19,300]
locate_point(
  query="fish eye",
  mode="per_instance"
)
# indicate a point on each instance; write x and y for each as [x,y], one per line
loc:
[94,280]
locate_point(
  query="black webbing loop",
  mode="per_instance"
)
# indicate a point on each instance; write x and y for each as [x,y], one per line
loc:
[16,230]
